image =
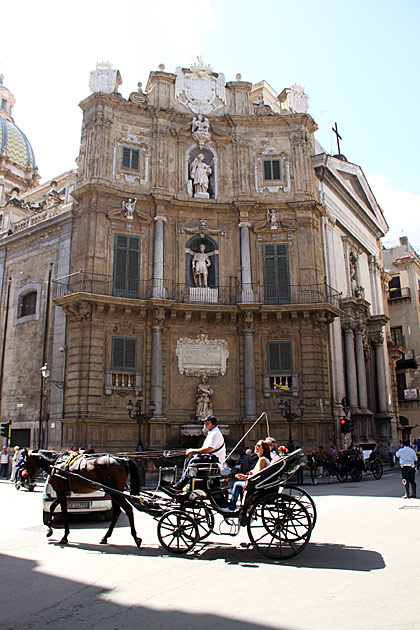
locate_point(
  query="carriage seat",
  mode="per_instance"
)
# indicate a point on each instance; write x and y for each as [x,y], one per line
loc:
[277,473]
[203,470]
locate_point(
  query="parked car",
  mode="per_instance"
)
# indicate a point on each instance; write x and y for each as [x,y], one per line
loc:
[97,502]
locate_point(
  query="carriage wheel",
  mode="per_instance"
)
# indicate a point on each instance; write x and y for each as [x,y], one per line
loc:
[203,518]
[356,474]
[177,532]
[304,497]
[279,526]
[377,469]
[341,475]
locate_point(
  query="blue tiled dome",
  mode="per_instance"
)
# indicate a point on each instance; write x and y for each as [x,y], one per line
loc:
[13,142]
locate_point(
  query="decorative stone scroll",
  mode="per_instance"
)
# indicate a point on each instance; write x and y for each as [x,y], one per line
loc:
[202,356]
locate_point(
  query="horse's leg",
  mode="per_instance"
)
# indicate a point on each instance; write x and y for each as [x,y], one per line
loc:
[63,503]
[116,511]
[49,522]
[129,511]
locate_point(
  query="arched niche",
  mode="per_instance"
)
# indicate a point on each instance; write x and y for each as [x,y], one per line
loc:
[211,249]
[192,172]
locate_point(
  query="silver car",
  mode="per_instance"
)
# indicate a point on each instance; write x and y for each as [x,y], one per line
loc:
[97,502]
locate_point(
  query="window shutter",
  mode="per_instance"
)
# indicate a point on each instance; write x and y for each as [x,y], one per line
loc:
[125,158]
[285,356]
[267,169]
[276,273]
[279,354]
[276,169]
[126,266]
[135,159]
[273,357]
[118,353]
[130,354]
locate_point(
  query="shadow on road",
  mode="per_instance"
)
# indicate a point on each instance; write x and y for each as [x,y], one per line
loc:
[58,603]
[315,556]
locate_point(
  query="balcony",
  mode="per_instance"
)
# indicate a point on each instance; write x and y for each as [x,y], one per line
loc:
[398,293]
[103,285]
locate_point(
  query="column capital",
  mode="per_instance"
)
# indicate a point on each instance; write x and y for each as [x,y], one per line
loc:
[246,224]
[159,217]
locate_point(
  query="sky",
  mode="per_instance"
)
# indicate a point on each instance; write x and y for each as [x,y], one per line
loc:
[359,61]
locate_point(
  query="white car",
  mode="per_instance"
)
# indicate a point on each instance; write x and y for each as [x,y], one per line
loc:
[97,502]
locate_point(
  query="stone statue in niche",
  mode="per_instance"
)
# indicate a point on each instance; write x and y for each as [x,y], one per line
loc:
[199,174]
[354,288]
[200,267]
[273,219]
[204,405]
[128,208]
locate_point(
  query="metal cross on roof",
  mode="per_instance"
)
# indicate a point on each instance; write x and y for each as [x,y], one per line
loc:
[335,130]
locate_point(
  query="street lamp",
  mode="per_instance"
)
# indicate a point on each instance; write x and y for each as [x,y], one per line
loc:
[286,411]
[135,412]
[46,373]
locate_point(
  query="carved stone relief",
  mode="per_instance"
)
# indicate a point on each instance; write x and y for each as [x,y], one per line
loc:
[202,356]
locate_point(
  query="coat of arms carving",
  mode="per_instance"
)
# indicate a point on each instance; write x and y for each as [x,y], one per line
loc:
[200,86]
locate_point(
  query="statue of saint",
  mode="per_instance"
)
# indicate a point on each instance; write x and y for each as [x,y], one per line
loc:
[128,208]
[200,172]
[200,267]
[273,219]
[204,406]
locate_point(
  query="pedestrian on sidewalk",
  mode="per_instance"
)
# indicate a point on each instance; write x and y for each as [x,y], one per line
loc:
[408,462]
[4,462]
[391,454]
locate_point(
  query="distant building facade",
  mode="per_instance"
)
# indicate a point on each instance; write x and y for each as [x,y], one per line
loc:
[403,264]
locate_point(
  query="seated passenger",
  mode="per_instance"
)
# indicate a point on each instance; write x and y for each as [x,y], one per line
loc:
[263,451]
[274,452]
[213,449]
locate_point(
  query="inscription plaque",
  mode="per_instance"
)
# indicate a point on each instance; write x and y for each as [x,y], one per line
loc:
[202,356]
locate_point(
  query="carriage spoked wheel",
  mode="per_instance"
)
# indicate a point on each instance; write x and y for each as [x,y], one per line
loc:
[203,518]
[356,474]
[341,475]
[304,497]
[377,469]
[177,532]
[279,526]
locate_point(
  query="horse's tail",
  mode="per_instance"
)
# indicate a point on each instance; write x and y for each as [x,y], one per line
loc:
[134,478]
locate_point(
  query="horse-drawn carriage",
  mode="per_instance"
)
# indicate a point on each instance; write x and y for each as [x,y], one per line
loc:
[279,517]
[358,459]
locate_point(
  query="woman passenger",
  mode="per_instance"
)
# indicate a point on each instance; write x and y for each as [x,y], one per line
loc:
[262,449]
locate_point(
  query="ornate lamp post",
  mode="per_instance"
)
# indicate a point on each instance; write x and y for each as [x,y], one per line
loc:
[286,411]
[135,412]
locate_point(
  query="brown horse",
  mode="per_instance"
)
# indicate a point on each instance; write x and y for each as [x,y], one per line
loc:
[327,462]
[106,470]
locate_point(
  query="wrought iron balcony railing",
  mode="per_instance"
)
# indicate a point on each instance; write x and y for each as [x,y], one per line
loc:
[98,284]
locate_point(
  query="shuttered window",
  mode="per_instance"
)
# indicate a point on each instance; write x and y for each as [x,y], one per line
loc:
[279,356]
[276,273]
[124,353]
[131,159]
[126,266]
[272,169]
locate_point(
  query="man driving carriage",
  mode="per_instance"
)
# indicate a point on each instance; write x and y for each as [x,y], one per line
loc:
[212,451]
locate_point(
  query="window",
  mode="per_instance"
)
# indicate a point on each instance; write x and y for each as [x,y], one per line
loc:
[124,353]
[131,159]
[397,336]
[3,104]
[395,287]
[279,357]
[276,274]
[272,169]
[126,266]
[27,304]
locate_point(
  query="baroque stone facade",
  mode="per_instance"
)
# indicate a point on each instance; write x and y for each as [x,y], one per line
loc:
[195,259]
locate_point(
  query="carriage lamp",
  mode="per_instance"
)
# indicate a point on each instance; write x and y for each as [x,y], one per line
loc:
[135,412]
[46,373]
[290,416]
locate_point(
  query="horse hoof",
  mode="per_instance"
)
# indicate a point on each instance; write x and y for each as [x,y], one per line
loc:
[63,541]
[138,542]
[103,541]
[49,533]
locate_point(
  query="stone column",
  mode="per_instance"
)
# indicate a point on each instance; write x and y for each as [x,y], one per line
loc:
[247,294]
[158,290]
[378,340]
[361,370]
[156,388]
[351,366]
[249,367]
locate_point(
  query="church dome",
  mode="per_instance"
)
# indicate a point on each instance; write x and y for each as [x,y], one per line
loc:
[13,142]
